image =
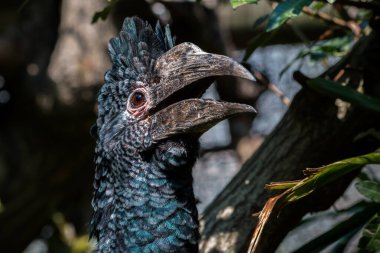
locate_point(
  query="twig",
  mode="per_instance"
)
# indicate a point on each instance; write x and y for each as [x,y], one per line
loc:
[263,80]
[351,25]
[339,75]
[325,34]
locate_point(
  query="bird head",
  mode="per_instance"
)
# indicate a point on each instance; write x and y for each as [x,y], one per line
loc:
[152,93]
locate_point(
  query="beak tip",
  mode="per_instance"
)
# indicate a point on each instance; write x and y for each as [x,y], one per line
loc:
[245,73]
[250,109]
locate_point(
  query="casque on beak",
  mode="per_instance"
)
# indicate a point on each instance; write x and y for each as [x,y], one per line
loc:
[176,71]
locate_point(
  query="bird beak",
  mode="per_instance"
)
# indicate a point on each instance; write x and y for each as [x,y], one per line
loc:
[193,116]
[175,106]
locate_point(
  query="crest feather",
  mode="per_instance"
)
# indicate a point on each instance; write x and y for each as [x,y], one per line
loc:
[136,46]
[133,53]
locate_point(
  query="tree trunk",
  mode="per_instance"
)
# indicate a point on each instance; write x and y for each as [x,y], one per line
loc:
[46,150]
[309,135]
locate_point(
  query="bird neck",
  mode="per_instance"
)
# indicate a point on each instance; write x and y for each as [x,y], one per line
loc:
[148,206]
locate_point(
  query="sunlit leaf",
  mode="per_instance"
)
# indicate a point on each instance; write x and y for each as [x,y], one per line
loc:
[345,93]
[369,189]
[237,3]
[282,185]
[286,10]
[370,240]
[328,174]
[317,179]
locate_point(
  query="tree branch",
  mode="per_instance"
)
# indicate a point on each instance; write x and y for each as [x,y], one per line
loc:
[350,25]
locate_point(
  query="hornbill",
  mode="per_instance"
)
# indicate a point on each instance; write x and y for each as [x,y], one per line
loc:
[150,116]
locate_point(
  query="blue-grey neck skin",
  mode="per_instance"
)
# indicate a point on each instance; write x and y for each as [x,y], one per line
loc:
[143,197]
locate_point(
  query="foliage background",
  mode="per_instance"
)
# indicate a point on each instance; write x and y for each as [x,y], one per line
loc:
[52,60]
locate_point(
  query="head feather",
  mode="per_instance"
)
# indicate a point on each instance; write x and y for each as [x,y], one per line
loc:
[133,54]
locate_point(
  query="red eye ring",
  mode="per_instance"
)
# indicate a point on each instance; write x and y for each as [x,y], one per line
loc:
[137,99]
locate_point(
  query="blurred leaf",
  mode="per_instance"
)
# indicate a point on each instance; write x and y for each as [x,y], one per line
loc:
[363,15]
[334,47]
[341,244]
[82,244]
[103,14]
[370,240]
[339,231]
[284,11]
[370,132]
[339,46]
[77,244]
[22,5]
[363,176]
[260,40]
[261,20]
[369,189]
[300,55]
[345,93]
[318,178]
[316,6]
[237,3]
[355,208]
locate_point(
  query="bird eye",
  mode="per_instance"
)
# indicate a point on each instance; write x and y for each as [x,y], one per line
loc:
[137,99]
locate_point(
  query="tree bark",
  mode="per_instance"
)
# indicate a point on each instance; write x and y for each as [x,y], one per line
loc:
[309,135]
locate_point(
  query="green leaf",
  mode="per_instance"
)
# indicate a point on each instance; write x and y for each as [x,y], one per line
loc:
[370,240]
[300,55]
[339,46]
[328,174]
[284,11]
[345,93]
[260,40]
[372,132]
[316,6]
[339,231]
[282,185]
[318,178]
[261,20]
[334,47]
[237,3]
[369,189]
[103,14]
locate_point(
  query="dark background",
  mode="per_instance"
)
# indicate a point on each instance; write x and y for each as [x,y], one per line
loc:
[52,61]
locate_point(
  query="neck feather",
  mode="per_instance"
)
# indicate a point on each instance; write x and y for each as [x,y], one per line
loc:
[146,206]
